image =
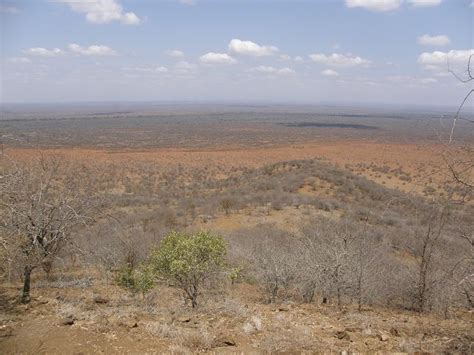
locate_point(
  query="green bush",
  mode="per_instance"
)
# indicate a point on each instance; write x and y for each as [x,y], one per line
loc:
[125,278]
[235,274]
[140,280]
[189,260]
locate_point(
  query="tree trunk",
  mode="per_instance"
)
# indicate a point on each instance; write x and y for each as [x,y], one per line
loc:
[359,293]
[25,296]
[194,297]
[274,292]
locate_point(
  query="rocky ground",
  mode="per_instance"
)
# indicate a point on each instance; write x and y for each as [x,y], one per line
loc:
[92,316]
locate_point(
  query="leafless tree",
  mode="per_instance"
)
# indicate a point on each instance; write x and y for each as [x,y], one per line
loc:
[271,257]
[427,244]
[42,204]
[329,244]
[460,160]
[368,262]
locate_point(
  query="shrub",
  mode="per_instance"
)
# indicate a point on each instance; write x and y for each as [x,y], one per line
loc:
[139,280]
[125,278]
[189,260]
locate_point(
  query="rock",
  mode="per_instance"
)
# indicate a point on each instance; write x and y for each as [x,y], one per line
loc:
[383,337]
[224,341]
[184,319]
[367,331]
[394,332]
[42,300]
[353,329]
[283,308]
[342,334]
[69,320]
[100,300]
[130,323]
[205,218]
[6,331]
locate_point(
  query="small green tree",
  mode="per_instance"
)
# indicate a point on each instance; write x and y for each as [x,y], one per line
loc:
[235,273]
[144,280]
[139,280]
[189,260]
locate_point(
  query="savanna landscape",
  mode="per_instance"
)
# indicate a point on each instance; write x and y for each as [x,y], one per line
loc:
[236,177]
[335,236]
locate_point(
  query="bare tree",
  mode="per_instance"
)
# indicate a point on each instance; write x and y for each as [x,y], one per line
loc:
[329,245]
[427,243]
[368,261]
[42,204]
[272,256]
[460,160]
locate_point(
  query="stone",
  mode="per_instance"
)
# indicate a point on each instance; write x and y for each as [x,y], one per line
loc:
[394,332]
[132,324]
[184,319]
[343,335]
[353,329]
[42,300]
[224,341]
[383,337]
[100,300]
[6,331]
[283,308]
[69,320]
[129,323]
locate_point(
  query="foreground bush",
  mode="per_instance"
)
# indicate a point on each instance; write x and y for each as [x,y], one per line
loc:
[138,280]
[189,261]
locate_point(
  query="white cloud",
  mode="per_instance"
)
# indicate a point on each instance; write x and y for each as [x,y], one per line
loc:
[438,60]
[217,58]
[147,69]
[440,40]
[103,11]
[250,48]
[9,9]
[411,81]
[425,3]
[272,70]
[19,60]
[472,4]
[187,2]
[184,65]
[185,68]
[339,60]
[44,52]
[285,71]
[375,5]
[288,58]
[329,72]
[428,80]
[174,53]
[94,50]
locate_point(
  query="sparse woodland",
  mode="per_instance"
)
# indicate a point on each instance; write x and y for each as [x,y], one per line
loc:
[296,255]
[357,246]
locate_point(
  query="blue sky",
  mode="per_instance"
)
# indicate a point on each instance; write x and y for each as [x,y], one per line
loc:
[348,51]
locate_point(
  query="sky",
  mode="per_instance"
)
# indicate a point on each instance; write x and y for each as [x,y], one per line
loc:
[285,51]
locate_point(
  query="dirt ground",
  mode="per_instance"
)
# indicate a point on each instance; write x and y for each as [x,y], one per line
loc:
[100,318]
